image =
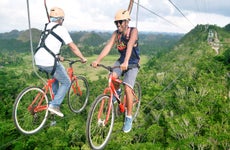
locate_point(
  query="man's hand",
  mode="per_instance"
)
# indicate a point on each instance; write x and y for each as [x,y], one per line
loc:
[83,60]
[61,58]
[124,66]
[94,64]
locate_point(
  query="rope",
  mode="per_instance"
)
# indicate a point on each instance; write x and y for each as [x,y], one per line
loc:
[181,12]
[31,43]
[161,92]
[159,16]
[47,13]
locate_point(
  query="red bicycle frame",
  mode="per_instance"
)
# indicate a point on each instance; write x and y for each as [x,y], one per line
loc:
[72,78]
[48,87]
[40,97]
[112,92]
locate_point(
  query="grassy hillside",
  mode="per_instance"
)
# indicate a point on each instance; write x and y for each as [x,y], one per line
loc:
[185,100]
[90,43]
[187,94]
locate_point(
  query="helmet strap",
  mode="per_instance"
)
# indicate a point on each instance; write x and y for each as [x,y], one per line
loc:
[57,19]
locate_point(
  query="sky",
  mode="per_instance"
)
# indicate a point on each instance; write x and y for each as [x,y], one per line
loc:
[177,16]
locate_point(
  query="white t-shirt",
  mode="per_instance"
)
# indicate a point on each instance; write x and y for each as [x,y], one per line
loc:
[42,56]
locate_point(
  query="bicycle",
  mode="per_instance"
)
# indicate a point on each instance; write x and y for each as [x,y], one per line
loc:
[101,115]
[30,110]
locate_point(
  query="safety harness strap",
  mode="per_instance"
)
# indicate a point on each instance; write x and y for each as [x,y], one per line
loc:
[44,35]
[127,38]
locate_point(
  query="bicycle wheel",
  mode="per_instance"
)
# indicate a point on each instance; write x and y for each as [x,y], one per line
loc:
[98,130]
[136,103]
[78,94]
[27,118]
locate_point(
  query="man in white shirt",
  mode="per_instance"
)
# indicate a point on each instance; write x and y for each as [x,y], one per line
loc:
[46,56]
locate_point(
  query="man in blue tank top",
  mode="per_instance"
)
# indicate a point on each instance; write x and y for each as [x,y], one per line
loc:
[126,40]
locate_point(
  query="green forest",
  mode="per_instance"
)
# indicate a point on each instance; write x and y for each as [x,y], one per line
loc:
[185,83]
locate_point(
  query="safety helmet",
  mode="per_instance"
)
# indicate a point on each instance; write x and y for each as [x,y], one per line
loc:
[56,12]
[122,15]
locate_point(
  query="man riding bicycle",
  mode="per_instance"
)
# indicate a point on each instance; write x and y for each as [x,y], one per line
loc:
[47,56]
[126,40]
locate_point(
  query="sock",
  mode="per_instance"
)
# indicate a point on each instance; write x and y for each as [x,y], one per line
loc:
[129,117]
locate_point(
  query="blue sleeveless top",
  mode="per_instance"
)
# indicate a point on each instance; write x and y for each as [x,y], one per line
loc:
[122,41]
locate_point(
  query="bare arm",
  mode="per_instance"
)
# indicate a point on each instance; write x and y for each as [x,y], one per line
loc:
[105,50]
[76,51]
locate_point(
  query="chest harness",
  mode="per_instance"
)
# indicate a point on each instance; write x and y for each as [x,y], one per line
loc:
[45,33]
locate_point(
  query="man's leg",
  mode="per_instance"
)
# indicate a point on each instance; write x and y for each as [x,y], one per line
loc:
[60,75]
[129,81]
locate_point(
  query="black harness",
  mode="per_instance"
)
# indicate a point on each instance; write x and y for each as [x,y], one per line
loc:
[45,33]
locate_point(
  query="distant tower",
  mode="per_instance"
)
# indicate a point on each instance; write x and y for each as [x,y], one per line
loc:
[210,36]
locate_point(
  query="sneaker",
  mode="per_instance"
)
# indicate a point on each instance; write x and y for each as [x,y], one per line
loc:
[119,93]
[55,110]
[127,124]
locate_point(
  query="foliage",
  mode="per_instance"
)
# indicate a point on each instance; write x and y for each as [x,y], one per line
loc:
[227,27]
[90,43]
[185,102]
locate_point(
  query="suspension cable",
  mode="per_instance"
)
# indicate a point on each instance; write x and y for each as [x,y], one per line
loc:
[130,7]
[181,12]
[47,13]
[31,43]
[137,13]
[160,16]
[161,92]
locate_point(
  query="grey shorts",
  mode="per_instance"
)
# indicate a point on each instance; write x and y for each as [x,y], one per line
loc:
[129,76]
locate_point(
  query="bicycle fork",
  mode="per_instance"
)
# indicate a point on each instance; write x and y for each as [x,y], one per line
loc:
[76,88]
[106,114]
[103,121]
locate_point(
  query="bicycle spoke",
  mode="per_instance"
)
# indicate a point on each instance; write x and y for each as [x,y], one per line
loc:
[26,119]
[136,100]
[78,94]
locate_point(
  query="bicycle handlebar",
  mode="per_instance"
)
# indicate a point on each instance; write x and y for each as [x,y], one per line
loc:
[72,61]
[109,68]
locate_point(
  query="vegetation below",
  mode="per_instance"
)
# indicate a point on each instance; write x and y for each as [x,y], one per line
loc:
[185,97]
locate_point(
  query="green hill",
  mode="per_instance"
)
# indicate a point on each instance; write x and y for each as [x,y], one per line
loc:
[89,42]
[185,99]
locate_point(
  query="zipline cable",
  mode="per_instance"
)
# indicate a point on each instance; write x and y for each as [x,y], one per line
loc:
[47,13]
[137,13]
[31,43]
[161,92]
[159,16]
[181,12]
[130,7]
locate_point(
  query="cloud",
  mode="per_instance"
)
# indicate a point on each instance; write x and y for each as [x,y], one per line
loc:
[99,14]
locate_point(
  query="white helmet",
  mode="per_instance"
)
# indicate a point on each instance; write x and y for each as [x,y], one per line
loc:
[122,15]
[56,12]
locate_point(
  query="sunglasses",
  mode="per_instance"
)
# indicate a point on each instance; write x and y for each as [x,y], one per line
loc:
[118,21]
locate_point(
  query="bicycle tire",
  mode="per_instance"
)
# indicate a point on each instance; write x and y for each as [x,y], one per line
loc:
[28,121]
[76,101]
[97,133]
[136,105]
